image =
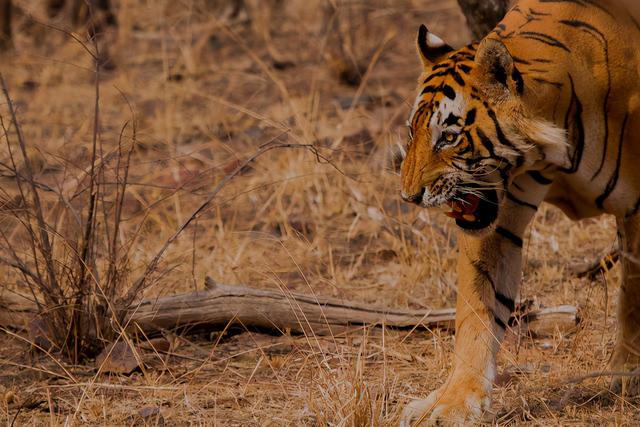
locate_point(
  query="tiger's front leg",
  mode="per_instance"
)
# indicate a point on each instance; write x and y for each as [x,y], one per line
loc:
[489,273]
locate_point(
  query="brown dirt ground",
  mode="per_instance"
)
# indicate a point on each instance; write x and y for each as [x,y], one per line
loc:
[206,93]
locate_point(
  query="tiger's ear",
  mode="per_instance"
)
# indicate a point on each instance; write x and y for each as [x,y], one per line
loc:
[431,48]
[495,62]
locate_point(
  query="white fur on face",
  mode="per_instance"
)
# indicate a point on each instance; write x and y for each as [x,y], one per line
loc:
[447,106]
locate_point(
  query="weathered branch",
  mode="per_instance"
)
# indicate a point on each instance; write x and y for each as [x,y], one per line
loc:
[275,310]
[281,310]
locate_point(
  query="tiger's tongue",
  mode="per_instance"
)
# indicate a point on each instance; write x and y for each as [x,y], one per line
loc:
[468,206]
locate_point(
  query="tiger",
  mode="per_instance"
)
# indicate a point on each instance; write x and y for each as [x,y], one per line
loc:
[544,108]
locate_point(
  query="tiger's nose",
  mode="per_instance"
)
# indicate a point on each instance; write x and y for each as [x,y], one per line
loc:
[414,198]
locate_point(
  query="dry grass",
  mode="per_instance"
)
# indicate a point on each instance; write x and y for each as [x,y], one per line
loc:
[206,94]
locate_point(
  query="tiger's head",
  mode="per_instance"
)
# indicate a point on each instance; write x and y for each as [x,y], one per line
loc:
[470,133]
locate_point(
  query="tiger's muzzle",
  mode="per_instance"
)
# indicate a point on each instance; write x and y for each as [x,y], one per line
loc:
[474,208]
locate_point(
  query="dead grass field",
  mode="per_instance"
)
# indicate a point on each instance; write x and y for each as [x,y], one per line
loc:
[206,95]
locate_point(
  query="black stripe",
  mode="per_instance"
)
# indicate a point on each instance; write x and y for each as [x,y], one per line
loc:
[468,52]
[488,145]
[471,117]
[600,37]
[503,139]
[519,60]
[498,321]
[464,68]
[430,89]
[516,76]
[451,120]
[443,70]
[542,60]
[483,272]
[458,78]
[517,241]
[538,70]
[539,178]
[544,38]
[460,151]
[440,66]
[514,199]
[536,13]
[470,142]
[611,185]
[417,116]
[577,130]
[449,92]
[575,23]
[486,141]
[435,74]
[557,85]
[506,301]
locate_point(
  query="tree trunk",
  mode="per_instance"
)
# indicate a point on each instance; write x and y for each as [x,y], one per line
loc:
[483,15]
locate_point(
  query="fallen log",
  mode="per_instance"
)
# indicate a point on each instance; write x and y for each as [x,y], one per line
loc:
[220,306]
[281,310]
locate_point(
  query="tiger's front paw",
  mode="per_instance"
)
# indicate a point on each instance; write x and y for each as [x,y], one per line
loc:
[451,405]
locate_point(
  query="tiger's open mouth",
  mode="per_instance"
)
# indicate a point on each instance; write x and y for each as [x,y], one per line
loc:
[474,211]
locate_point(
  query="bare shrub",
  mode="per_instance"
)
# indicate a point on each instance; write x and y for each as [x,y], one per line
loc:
[65,243]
